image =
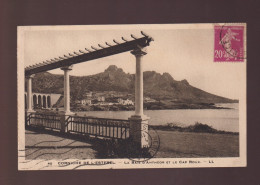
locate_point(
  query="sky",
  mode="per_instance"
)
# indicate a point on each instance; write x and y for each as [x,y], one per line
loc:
[184,51]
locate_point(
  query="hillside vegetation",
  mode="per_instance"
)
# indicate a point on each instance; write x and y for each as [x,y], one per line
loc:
[161,87]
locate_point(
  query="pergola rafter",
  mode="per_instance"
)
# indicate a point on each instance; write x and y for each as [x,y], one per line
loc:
[87,55]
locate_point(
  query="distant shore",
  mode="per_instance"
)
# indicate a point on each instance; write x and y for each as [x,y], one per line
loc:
[147,106]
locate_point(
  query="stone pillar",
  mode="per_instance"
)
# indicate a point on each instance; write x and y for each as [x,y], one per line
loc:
[29,109]
[139,122]
[29,93]
[67,112]
[139,53]
[66,89]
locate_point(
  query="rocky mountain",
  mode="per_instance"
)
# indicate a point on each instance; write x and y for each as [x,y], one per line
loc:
[156,86]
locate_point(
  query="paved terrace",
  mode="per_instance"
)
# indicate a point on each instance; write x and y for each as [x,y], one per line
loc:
[43,145]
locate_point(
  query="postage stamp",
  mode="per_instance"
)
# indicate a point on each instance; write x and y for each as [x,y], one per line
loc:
[229,43]
[131,96]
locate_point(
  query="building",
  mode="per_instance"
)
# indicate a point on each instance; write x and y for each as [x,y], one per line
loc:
[43,100]
[125,102]
[149,100]
[89,94]
[101,98]
[86,102]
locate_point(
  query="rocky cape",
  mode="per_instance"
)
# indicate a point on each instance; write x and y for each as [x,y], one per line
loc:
[161,87]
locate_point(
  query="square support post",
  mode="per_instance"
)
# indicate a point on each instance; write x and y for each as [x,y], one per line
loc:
[139,131]
[65,125]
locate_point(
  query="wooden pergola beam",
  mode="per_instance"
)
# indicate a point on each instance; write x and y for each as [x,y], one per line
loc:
[84,57]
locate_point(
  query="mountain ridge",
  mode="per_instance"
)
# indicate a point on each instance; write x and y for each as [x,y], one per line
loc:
[157,86]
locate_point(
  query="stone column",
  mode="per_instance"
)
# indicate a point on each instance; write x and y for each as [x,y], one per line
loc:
[66,89]
[139,53]
[67,112]
[139,122]
[29,109]
[29,93]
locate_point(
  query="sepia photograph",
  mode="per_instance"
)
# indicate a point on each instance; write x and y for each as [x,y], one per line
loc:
[131,96]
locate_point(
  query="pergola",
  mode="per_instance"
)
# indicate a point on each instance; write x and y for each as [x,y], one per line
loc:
[135,45]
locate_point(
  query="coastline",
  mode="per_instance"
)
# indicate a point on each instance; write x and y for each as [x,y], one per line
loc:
[151,106]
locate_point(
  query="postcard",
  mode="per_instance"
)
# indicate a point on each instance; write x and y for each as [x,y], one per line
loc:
[131,96]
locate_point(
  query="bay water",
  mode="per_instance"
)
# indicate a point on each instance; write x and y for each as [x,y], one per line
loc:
[220,119]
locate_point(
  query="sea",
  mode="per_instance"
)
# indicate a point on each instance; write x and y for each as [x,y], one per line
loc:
[220,119]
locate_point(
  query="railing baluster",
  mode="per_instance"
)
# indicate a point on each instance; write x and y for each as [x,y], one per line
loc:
[125,132]
[93,128]
[113,130]
[98,128]
[87,124]
[121,133]
[81,125]
[84,125]
[102,128]
[71,124]
[117,130]
[29,117]
[77,125]
[109,129]
[81,121]
[106,127]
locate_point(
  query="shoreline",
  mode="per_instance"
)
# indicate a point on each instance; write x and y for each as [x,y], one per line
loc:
[195,128]
[131,108]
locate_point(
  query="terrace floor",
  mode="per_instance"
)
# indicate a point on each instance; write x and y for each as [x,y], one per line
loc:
[52,145]
[41,145]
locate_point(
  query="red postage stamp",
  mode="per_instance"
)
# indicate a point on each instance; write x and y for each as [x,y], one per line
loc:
[229,43]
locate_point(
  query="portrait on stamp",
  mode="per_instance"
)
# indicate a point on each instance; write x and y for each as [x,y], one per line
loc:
[131,96]
[229,44]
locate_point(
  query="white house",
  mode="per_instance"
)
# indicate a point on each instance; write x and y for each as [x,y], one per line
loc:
[101,98]
[86,102]
[125,102]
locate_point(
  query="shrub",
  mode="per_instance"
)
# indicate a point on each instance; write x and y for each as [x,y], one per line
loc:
[199,127]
